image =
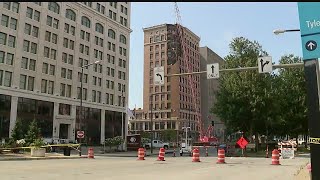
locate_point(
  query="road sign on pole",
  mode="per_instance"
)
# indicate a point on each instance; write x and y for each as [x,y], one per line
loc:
[158,76]
[265,64]
[310,36]
[213,71]
[80,134]
[310,29]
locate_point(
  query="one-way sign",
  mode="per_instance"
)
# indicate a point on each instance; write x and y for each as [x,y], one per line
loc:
[213,71]
[158,76]
[265,64]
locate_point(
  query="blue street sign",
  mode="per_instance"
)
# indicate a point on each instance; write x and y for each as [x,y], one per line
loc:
[309,16]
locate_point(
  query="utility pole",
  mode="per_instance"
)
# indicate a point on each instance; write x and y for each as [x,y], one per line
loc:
[151,125]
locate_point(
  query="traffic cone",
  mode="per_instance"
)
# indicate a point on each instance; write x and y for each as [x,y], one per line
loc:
[275,157]
[141,154]
[161,154]
[196,155]
[90,153]
[174,152]
[221,156]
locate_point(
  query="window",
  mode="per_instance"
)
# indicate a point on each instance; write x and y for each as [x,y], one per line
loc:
[35,31]
[2,56]
[52,70]
[111,34]
[82,34]
[9,60]
[12,41]
[50,87]
[13,23]
[23,81]
[87,36]
[107,98]
[15,7]
[94,96]
[70,15]
[47,36]
[111,99]
[7,78]
[46,52]
[99,28]
[64,109]
[26,45]
[54,38]
[5,20]
[43,86]
[45,67]
[123,39]
[73,30]
[54,7]
[32,65]
[62,89]
[55,23]
[53,54]
[30,83]
[6,5]
[49,20]
[85,21]
[3,38]
[34,48]
[36,15]
[65,42]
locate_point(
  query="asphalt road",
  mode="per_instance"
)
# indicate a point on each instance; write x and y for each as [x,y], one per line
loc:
[174,168]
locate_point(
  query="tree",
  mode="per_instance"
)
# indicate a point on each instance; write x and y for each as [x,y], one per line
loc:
[33,132]
[245,100]
[293,93]
[169,135]
[17,132]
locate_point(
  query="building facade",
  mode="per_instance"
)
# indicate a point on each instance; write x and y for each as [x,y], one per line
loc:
[179,107]
[209,88]
[42,48]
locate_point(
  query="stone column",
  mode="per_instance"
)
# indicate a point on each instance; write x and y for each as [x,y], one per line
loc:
[13,113]
[73,133]
[56,125]
[103,122]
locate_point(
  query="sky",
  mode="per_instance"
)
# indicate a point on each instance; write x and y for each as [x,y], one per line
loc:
[216,23]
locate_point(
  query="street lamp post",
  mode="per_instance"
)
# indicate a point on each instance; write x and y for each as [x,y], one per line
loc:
[281,31]
[81,81]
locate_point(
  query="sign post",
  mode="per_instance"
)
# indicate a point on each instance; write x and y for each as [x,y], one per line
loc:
[158,76]
[265,64]
[309,16]
[242,142]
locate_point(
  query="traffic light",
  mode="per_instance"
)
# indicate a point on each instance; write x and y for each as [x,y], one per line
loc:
[212,123]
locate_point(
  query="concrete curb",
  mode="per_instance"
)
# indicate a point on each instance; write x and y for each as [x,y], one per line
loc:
[39,158]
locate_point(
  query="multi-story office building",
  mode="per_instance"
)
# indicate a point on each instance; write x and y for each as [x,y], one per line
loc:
[43,46]
[209,88]
[180,107]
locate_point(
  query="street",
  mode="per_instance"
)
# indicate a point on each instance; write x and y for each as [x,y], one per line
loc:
[175,168]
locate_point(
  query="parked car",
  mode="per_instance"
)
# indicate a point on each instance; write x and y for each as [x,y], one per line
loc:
[157,144]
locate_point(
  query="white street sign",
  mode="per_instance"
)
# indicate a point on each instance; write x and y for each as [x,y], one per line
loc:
[213,71]
[265,64]
[158,76]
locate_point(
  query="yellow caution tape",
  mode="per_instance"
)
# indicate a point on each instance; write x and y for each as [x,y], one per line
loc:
[314,140]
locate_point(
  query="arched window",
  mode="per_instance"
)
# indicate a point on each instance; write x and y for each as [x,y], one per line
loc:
[123,39]
[85,21]
[70,15]
[99,28]
[53,6]
[111,34]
